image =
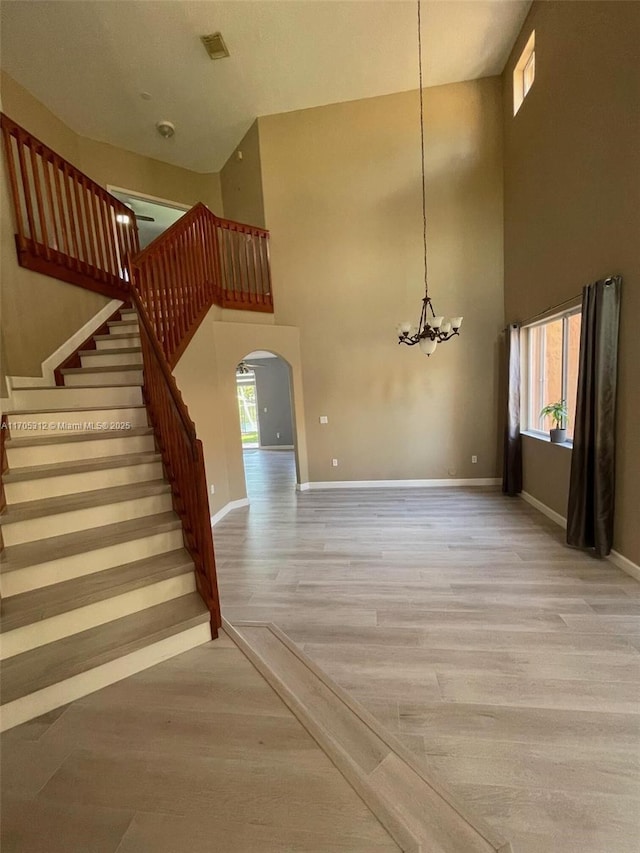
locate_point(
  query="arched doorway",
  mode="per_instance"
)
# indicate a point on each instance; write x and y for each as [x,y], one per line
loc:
[265,409]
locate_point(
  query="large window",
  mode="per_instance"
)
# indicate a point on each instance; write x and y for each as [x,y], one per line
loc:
[551,350]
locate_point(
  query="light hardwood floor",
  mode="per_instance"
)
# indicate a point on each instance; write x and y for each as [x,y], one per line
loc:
[194,755]
[506,661]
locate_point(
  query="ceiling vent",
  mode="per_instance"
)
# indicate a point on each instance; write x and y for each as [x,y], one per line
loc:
[215,46]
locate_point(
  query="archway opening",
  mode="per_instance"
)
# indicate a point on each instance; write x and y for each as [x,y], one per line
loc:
[265,409]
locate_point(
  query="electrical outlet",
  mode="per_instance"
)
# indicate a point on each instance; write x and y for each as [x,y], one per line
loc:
[265,410]
[324,419]
[474,459]
[334,462]
[213,489]
[277,435]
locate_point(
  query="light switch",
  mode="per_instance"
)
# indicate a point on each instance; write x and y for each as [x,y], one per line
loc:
[324,419]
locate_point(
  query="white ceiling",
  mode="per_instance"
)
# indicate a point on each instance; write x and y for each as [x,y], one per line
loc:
[89,61]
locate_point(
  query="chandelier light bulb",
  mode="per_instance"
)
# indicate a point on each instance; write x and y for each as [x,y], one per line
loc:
[427,346]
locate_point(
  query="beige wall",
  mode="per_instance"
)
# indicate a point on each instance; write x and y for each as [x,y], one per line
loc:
[572,206]
[206,376]
[342,200]
[39,313]
[241,181]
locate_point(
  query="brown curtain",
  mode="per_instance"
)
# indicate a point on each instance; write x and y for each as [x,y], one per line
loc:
[512,467]
[592,488]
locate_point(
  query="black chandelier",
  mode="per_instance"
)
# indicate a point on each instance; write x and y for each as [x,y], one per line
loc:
[432,329]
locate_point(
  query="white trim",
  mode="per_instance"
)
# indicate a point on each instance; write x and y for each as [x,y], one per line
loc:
[544,509]
[614,557]
[397,484]
[165,202]
[625,564]
[227,509]
[48,366]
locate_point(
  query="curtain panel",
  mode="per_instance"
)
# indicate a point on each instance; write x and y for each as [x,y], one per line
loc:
[590,511]
[512,465]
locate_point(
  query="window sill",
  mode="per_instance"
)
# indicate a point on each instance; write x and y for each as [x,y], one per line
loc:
[542,436]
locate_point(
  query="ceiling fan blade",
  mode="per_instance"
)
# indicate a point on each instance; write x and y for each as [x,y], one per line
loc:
[144,218]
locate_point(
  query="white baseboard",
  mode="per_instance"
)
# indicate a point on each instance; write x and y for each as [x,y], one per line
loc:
[396,484]
[48,366]
[276,447]
[626,565]
[227,509]
[614,557]
[544,509]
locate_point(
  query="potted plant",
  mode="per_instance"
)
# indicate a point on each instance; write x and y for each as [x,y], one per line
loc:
[558,414]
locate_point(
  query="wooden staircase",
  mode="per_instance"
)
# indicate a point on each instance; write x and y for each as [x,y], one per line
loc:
[96,583]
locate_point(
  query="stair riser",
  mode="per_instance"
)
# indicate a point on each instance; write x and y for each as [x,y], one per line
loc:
[111,359]
[52,399]
[28,707]
[49,454]
[117,377]
[85,481]
[77,565]
[119,327]
[118,343]
[81,519]
[45,631]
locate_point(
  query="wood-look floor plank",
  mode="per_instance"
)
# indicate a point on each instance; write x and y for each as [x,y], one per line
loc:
[534,646]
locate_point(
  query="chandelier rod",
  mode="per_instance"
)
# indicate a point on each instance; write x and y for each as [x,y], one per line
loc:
[424,196]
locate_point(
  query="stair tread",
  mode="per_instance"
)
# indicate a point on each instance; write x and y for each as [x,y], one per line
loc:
[114,351]
[46,602]
[119,323]
[95,435]
[80,541]
[84,500]
[80,466]
[116,336]
[110,368]
[46,665]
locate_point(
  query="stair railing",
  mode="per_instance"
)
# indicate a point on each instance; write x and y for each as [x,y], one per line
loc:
[183,460]
[201,261]
[68,226]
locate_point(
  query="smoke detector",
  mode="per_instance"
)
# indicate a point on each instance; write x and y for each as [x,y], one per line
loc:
[215,46]
[165,128]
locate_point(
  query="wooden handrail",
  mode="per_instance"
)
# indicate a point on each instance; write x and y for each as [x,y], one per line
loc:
[200,261]
[68,226]
[183,461]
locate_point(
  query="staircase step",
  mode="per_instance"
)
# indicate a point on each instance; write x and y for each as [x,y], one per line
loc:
[117,341]
[414,807]
[44,616]
[41,604]
[71,420]
[59,558]
[56,399]
[110,357]
[80,475]
[122,374]
[45,517]
[46,448]
[45,678]
[120,327]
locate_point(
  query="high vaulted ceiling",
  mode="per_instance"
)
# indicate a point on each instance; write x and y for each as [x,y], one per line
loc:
[90,60]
